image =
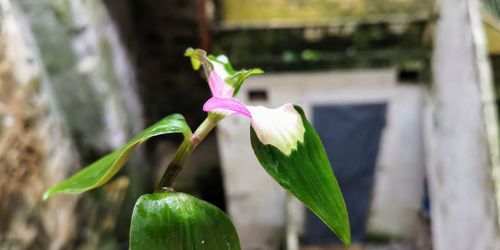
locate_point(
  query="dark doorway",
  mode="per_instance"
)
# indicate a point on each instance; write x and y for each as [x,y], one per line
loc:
[351,136]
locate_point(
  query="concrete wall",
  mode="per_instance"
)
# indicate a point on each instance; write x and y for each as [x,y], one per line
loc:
[257,203]
[462,134]
[68,65]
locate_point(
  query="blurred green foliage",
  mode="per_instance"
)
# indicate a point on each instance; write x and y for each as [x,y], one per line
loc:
[492,6]
[319,48]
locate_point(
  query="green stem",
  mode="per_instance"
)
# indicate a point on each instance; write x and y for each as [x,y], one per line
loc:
[185,150]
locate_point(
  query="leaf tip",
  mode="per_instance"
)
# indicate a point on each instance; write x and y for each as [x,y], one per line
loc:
[47,195]
[195,55]
[188,52]
[346,239]
[258,71]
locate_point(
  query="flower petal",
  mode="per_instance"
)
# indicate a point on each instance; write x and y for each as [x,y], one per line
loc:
[226,106]
[281,127]
[218,87]
[216,70]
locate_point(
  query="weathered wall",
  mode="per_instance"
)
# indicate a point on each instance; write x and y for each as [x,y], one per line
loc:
[68,94]
[300,11]
[28,138]
[462,134]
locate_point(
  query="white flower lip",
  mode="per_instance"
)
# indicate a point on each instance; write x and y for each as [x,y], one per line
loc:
[281,127]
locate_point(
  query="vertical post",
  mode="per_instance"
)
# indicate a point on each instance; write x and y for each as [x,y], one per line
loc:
[204,25]
[463,134]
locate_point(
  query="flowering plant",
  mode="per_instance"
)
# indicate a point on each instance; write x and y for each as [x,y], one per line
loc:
[283,141]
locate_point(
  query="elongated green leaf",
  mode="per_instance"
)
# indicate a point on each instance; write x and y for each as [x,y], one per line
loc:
[307,174]
[99,172]
[180,221]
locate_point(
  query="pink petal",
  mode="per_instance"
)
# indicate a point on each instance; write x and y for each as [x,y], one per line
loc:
[226,106]
[218,87]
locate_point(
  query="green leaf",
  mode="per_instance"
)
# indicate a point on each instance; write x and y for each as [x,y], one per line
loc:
[307,174]
[180,221]
[101,171]
[237,79]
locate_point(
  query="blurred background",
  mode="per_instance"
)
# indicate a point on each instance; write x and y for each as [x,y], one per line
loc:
[403,94]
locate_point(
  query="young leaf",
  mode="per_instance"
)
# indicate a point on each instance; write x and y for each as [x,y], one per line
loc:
[196,56]
[307,174]
[237,79]
[99,172]
[180,221]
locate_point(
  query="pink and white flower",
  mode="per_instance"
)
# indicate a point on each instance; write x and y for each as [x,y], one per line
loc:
[281,127]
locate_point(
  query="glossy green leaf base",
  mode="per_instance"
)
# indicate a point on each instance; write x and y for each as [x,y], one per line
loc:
[179,221]
[307,174]
[101,171]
